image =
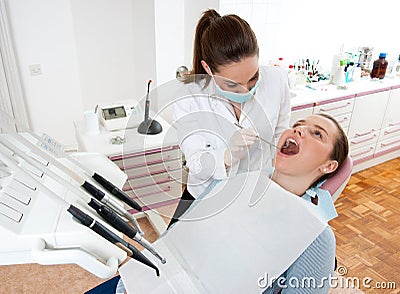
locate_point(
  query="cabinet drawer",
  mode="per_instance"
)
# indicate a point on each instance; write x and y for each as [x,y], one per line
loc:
[299,114]
[392,117]
[132,184]
[391,124]
[362,140]
[363,153]
[142,171]
[389,144]
[343,120]
[335,108]
[389,132]
[127,161]
[155,194]
[368,113]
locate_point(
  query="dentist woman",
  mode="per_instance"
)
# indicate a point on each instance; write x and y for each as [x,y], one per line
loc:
[226,104]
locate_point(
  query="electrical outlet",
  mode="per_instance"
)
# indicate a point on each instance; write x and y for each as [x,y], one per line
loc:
[35,69]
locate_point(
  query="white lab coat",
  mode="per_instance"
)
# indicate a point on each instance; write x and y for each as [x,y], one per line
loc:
[205,123]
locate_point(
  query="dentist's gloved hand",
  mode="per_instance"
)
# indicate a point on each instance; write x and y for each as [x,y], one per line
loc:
[239,143]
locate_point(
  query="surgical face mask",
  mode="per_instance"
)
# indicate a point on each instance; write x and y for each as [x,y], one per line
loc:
[238,97]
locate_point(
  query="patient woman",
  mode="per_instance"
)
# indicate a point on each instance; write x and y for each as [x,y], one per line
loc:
[312,150]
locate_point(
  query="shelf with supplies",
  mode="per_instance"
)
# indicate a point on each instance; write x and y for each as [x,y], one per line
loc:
[152,163]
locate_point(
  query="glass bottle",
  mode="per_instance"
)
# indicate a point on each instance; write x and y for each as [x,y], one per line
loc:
[379,67]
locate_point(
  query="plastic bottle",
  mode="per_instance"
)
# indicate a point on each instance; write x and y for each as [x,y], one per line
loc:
[349,71]
[357,73]
[339,77]
[379,67]
[301,77]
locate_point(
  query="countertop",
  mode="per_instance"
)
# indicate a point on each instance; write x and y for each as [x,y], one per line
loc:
[304,97]
[134,142]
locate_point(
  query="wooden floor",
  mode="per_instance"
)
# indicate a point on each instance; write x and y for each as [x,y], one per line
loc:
[368,227]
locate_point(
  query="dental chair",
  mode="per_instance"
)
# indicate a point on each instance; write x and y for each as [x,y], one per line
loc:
[337,183]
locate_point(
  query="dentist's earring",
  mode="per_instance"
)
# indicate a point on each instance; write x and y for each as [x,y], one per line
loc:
[325,170]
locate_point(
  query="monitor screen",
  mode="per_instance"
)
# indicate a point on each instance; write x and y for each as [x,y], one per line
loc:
[114,112]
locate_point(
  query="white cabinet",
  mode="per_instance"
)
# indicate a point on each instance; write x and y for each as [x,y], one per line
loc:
[388,145]
[300,114]
[391,121]
[365,124]
[341,110]
[154,175]
[336,108]
[389,138]
[368,113]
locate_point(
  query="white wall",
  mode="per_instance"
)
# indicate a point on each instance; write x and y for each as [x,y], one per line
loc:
[92,51]
[192,13]
[169,38]
[43,33]
[105,45]
[317,29]
[176,21]
[103,50]
[145,45]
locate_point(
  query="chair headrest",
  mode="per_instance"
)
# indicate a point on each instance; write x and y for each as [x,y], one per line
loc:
[332,184]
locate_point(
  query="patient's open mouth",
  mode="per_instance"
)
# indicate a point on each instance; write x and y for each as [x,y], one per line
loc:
[290,147]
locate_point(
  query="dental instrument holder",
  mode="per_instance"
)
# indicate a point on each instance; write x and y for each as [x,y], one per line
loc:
[149,126]
[45,232]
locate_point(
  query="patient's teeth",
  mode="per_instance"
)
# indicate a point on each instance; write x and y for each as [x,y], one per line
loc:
[286,144]
[290,147]
[291,141]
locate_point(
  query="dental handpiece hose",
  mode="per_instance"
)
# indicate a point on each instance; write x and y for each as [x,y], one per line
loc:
[108,215]
[90,188]
[105,212]
[99,195]
[84,218]
[114,190]
[97,227]
[110,187]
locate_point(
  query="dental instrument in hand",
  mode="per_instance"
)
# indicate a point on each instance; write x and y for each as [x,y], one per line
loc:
[258,137]
[110,187]
[82,217]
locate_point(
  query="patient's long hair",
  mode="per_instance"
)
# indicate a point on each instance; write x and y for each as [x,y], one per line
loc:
[340,149]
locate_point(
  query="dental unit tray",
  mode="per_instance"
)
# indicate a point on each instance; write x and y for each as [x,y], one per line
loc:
[36,229]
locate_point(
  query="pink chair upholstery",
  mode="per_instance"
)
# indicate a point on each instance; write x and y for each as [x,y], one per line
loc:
[337,183]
